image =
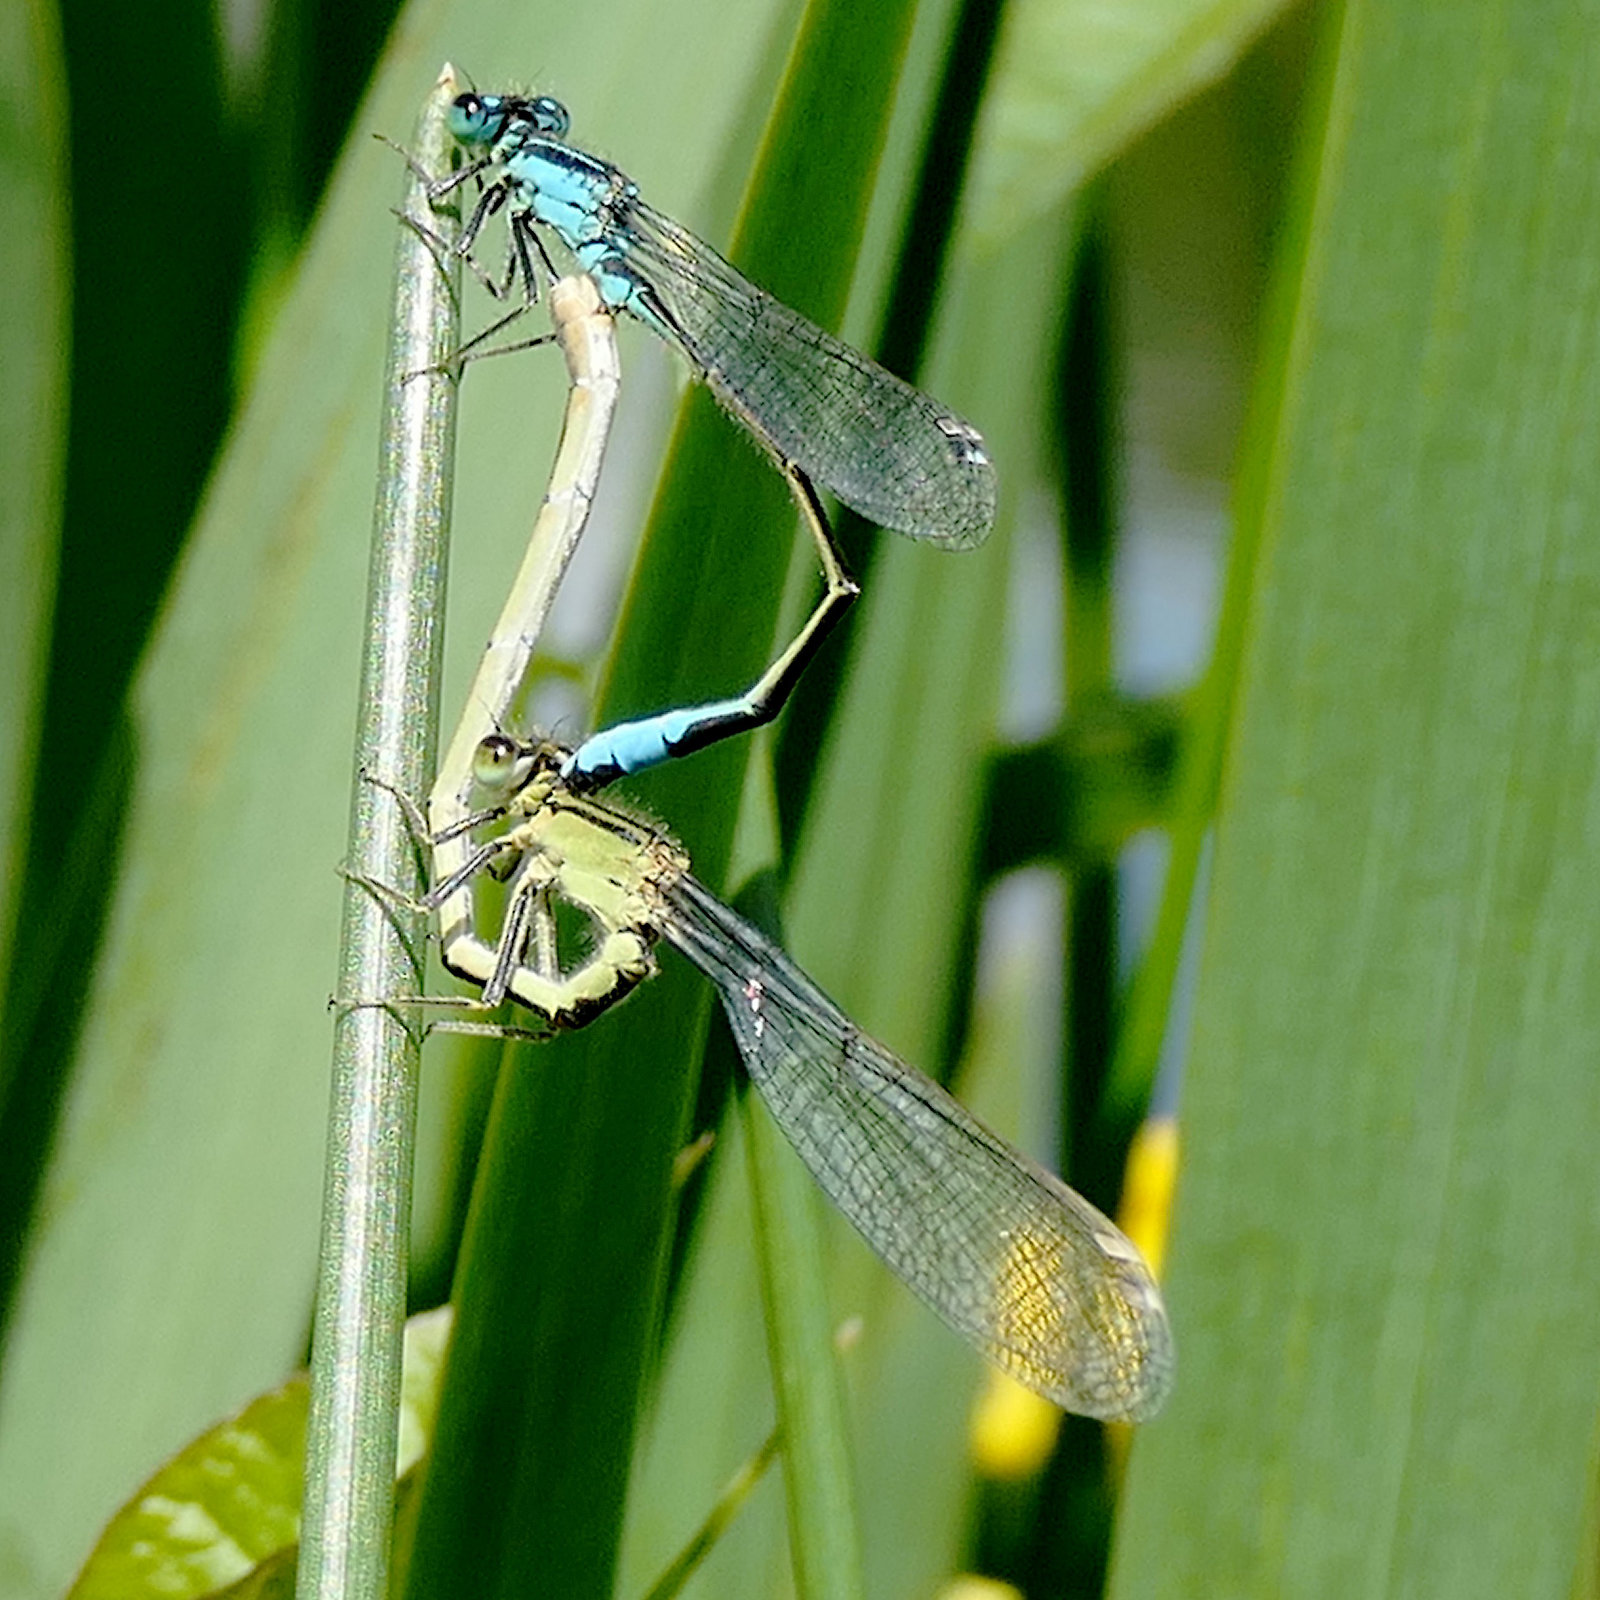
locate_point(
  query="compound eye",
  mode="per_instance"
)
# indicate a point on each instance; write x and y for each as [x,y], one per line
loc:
[494,763]
[550,116]
[470,117]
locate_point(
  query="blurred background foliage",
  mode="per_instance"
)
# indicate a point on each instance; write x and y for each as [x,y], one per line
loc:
[1283,324]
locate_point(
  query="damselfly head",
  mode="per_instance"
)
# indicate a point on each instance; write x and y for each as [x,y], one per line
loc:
[503,765]
[483,118]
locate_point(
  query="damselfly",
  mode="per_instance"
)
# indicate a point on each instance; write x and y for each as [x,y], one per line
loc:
[827,415]
[1015,1261]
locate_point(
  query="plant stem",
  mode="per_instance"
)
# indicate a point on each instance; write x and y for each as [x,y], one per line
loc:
[361,1288]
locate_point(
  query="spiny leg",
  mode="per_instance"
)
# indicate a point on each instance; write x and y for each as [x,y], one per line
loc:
[524,243]
[481,859]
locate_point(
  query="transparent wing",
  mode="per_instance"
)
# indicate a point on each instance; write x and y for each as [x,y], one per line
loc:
[1010,1257]
[886,449]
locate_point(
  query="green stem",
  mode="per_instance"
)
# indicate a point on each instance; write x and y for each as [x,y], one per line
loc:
[361,1287]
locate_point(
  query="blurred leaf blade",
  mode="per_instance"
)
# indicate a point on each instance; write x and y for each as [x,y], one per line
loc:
[1078,83]
[144,425]
[888,863]
[35,334]
[1379,1273]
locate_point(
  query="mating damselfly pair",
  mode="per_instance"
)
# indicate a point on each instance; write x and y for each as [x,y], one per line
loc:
[1028,1271]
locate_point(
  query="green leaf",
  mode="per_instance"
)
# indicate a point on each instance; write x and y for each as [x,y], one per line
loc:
[223,1515]
[1075,84]
[1389,1206]
[218,1509]
[33,424]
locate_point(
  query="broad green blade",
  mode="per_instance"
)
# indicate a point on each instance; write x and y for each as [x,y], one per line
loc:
[1076,84]
[34,340]
[873,910]
[1389,1208]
